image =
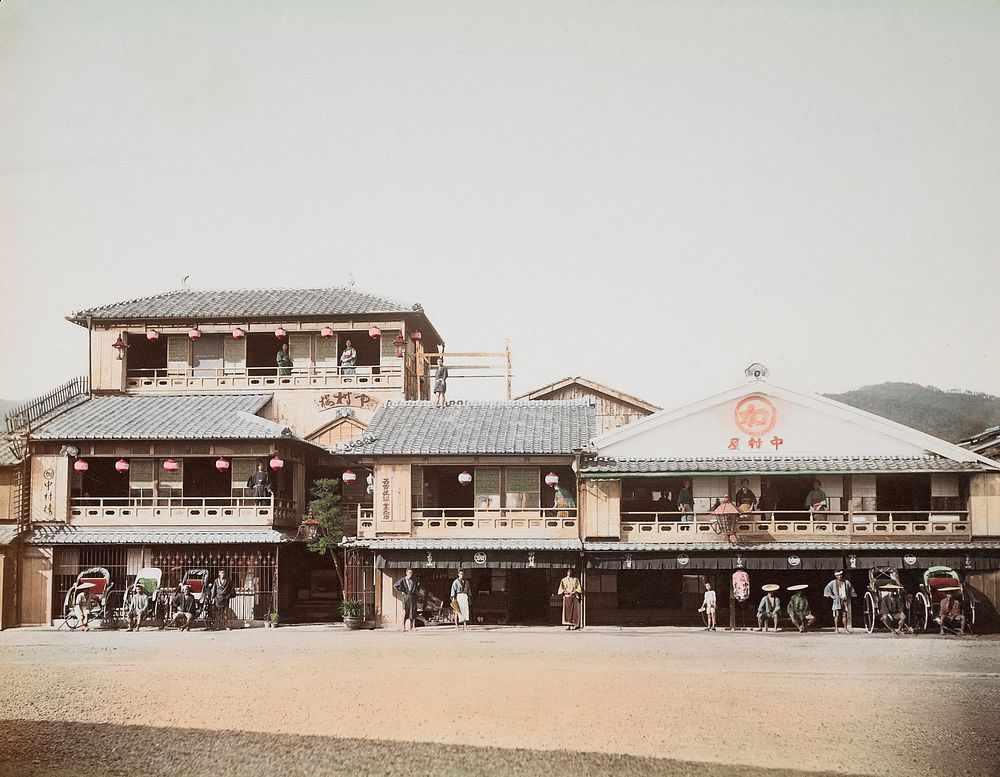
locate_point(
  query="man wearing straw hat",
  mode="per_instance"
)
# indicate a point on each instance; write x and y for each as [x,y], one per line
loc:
[769,607]
[798,608]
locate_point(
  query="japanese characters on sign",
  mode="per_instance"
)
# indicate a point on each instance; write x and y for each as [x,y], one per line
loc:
[346,399]
[386,499]
[755,416]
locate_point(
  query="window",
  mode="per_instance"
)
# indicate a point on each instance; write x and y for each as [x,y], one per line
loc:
[487,488]
[522,490]
[242,469]
[140,478]
[171,483]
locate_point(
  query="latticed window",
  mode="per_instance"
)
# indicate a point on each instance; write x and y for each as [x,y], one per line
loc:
[140,478]
[171,483]
[242,469]
[522,489]
[487,488]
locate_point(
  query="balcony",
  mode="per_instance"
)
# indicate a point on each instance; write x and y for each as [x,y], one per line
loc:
[200,512]
[252,378]
[502,523]
[795,525]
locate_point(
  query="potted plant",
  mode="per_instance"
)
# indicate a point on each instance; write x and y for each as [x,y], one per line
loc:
[353,612]
[272,620]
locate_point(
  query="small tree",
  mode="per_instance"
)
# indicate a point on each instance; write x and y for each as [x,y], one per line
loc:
[324,506]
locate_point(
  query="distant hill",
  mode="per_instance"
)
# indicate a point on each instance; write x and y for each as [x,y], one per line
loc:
[950,415]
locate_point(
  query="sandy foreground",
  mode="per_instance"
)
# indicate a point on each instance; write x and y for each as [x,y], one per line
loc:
[320,700]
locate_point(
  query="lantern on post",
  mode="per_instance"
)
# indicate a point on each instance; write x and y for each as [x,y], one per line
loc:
[309,527]
[221,464]
[152,335]
[238,334]
[326,333]
[552,479]
[81,465]
[348,476]
[415,336]
[464,478]
[276,462]
[119,346]
[194,333]
[280,333]
[374,333]
[400,343]
[122,466]
[171,465]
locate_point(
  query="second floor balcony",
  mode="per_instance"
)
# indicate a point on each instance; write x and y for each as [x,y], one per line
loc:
[203,512]
[209,378]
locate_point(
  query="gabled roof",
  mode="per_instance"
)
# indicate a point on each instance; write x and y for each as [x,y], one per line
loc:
[590,385]
[778,464]
[174,417]
[986,442]
[470,428]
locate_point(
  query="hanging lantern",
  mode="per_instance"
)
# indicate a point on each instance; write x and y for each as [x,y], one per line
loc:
[194,334]
[374,333]
[464,478]
[309,527]
[400,343]
[280,333]
[348,476]
[119,346]
[415,335]
[326,333]
[171,465]
[152,335]
[238,334]
[552,479]
[81,465]
[121,465]
[276,463]
[221,464]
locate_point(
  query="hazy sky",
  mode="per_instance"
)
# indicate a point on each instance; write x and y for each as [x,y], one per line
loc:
[653,195]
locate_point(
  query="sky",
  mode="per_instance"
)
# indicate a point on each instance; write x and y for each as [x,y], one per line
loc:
[649,194]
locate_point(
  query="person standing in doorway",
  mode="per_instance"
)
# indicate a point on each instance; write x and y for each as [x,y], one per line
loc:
[348,358]
[283,360]
[572,594]
[461,593]
[260,483]
[745,499]
[220,593]
[685,502]
[440,383]
[408,588]
[708,606]
[841,591]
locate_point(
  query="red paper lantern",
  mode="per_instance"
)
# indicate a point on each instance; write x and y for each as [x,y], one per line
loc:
[194,334]
[326,333]
[121,465]
[464,478]
[81,465]
[221,464]
[552,479]
[415,336]
[238,334]
[348,476]
[374,333]
[152,335]
[171,465]
[276,463]
[280,333]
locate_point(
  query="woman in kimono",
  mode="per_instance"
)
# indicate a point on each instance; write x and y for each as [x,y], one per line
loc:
[440,383]
[460,593]
[260,482]
[571,592]
[284,361]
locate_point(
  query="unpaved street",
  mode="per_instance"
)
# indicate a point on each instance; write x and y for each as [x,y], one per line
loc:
[319,700]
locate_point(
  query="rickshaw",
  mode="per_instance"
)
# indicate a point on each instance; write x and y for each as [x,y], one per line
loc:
[882,580]
[149,578]
[101,599]
[937,582]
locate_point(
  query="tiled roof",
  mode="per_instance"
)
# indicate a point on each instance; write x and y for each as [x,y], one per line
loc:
[484,428]
[248,303]
[778,547]
[175,417]
[7,457]
[8,533]
[406,543]
[779,464]
[74,535]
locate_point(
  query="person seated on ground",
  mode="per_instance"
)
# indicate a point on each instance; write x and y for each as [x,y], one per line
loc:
[891,611]
[185,608]
[799,610]
[816,500]
[769,608]
[951,616]
[745,499]
[81,606]
[137,607]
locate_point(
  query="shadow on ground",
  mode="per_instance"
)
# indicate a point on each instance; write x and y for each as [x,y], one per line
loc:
[60,749]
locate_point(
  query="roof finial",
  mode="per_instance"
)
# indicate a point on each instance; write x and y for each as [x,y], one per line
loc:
[350,279]
[756,372]
[184,283]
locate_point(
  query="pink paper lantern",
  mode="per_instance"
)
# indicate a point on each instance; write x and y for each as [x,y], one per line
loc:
[552,479]
[121,465]
[152,335]
[464,478]
[326,333]
[276,463]
[374,333]
[81,465]
[238,334]
[348,476]
[280,333]
[221,464]
[171,465]
[194,334]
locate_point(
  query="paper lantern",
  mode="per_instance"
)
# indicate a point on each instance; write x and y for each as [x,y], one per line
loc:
[238,334]
[400,343]
[81,465]
[221,464]
[121,465]
[552,479]
[276,463]
[194,334]
[280,333]
[374,333]
[415,336]
[152,335]
[171,465]
[348,476]
[326,333]
[464,478]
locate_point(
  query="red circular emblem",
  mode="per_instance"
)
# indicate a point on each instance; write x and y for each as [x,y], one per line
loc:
[755,414]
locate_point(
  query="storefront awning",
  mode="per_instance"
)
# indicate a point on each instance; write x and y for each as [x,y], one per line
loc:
[700,561]
[470,559]
[75,535]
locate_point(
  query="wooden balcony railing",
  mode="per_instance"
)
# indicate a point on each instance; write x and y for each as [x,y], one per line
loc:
[167,379]
[780,526]
[202,512]
[500,523]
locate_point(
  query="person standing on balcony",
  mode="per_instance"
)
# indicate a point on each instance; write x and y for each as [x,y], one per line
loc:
[685,502]
[220,593]
[461,592]
[440,383]
[409,589]
[745,499]
[841,591]
[816,500]
[348,358]
[283,360]
[260,483]
[572,594]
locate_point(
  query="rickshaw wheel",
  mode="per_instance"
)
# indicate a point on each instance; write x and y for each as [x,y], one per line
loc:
[921,612]
[870,612]
[72,619]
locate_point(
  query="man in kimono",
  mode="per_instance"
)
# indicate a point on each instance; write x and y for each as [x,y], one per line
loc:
[138,604]
[440,383]
[408,589]
[709,604]
[185,608]
[841,591]
[745,499]
[798,609]
[220,592]
[769,608]
[461,593]
[891,610]
[950,614]
[283,360]
[348,358]
[685,502]
[260,483]
[572,592]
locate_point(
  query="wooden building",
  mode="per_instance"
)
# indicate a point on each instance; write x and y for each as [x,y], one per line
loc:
[614,408]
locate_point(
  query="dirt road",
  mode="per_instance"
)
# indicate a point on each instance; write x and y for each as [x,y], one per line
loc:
[319,700]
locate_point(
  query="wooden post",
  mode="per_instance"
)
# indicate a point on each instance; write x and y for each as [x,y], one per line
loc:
[506,348]
[732,608]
